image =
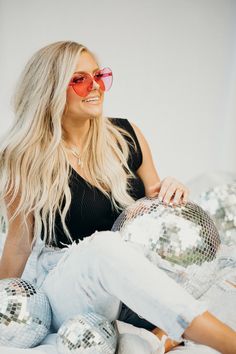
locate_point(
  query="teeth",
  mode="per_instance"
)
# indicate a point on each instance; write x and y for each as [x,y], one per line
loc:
[92,99]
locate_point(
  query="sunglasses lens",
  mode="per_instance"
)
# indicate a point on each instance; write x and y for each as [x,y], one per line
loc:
[104,78]
[82,84]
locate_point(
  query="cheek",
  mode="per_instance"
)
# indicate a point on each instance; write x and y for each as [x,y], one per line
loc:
[75,105]
[72,100]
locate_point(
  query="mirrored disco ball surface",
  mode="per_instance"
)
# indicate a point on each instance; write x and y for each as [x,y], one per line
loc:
[88,334]
[220,203]
[181,240]
[25,314]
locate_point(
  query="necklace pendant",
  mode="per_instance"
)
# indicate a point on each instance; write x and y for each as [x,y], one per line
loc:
[80,163]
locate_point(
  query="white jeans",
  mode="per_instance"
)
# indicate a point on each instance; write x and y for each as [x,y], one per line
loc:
[100,272]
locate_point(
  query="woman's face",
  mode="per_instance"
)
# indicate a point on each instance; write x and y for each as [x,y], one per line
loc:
[76,106]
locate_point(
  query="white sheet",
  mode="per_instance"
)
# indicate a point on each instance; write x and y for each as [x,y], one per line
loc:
[49,347]
[213,296]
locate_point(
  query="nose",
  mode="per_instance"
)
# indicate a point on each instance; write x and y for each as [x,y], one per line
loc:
[95,85]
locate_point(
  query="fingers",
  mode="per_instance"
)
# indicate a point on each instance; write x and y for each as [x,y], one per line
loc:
[173,191]
[178,197]
[165,185]
[170,192]
[185,196]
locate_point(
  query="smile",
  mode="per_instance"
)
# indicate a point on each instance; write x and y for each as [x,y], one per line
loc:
[92,100]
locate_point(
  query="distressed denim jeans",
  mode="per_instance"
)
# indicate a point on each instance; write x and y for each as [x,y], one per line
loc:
[101,272]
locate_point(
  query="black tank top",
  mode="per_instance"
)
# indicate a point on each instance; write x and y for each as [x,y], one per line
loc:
[90,209]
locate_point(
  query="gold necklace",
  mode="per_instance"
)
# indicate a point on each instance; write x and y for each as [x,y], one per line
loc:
[76,154]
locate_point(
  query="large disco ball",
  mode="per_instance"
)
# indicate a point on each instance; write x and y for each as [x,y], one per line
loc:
[25,314]
[90,333]
[182,240]
[220,203]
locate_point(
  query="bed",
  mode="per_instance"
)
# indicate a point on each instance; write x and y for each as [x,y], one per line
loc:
[133,343]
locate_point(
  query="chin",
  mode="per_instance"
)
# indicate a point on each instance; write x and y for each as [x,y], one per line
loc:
[95,112]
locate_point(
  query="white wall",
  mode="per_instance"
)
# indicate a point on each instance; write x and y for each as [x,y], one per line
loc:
[174,69]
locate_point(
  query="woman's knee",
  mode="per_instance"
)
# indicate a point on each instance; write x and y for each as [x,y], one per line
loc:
[105,243]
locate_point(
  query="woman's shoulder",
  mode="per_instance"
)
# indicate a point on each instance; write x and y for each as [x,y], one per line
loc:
[121,122]
[136,152]
[125,124]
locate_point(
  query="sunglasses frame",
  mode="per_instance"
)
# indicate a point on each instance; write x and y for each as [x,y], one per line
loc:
[90,85]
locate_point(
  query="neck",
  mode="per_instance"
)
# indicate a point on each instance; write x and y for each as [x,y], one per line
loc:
[75,133]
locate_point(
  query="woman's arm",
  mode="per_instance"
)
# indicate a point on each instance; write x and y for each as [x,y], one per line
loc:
[169,189]
[151,178]
[17,246]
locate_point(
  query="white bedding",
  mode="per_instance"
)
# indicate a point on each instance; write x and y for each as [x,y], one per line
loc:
[128,345]
[213,296]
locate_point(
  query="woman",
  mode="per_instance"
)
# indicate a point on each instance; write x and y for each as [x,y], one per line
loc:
[66,174]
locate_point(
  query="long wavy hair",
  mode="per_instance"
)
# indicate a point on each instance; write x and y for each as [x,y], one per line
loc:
[34,168]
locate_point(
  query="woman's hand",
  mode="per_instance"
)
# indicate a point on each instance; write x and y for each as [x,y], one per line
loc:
[169,190]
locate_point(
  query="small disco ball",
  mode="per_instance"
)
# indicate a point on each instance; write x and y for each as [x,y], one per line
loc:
[87,334]
[181,240]
[25,314]
[220,203]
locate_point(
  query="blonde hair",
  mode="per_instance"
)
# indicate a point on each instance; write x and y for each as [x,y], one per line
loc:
[33,163]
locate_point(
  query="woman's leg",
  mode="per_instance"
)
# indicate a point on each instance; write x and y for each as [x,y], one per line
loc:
[207,329]
[103,270]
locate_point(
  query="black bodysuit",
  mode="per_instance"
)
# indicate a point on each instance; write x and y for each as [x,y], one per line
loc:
[90,209]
